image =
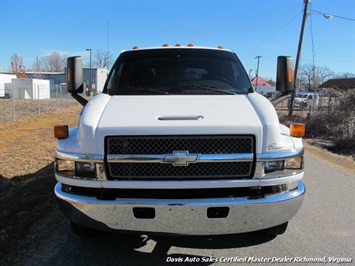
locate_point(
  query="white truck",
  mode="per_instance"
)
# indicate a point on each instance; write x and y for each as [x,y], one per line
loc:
[178,142]
[307,99]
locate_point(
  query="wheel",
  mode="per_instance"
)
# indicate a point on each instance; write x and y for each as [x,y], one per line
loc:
[303,106]
[276,230]
[82,231]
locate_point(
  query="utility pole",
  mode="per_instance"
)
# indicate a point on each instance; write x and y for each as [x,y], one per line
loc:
[257,72]
[90,82]
[305,10]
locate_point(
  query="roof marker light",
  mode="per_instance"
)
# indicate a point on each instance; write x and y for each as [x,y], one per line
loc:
[135,47]
[165,45]
[220,47]
[190,45]
[178,45]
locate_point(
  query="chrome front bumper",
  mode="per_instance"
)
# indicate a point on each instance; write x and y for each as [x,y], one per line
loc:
[182,216]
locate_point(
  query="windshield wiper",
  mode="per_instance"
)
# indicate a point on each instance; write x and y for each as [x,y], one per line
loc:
[146,89]
[133,88]
[210,88]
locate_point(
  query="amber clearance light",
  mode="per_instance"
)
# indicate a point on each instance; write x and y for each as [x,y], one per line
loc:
[61,131]
[297,130]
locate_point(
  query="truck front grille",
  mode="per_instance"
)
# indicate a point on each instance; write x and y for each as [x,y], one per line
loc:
[167,145]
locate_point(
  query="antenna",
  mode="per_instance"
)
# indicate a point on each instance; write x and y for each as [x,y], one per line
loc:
[108,45]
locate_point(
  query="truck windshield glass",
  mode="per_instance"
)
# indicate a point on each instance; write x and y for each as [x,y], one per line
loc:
[177,71]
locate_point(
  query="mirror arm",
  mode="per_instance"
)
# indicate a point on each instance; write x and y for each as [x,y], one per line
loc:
[279,99]
[79,98]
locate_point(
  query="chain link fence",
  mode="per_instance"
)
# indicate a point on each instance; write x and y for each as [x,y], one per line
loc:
[14,109]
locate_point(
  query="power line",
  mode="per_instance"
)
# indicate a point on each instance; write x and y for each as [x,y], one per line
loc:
[312,38]
[313,51]
[260,22]
[330,16]
[274,33]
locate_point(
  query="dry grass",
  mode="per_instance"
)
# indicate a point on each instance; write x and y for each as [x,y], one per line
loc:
[14,109]
[333,124]
[346,163]
[27,144]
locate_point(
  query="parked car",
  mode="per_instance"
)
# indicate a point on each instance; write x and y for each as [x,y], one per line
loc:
[305,100]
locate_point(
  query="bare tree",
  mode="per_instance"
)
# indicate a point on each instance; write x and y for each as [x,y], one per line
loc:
[313,76]
[306,74]
[17,67]
[102,59]
[37,65]
[344,75]
[324,73]
[53,63]
[37,68]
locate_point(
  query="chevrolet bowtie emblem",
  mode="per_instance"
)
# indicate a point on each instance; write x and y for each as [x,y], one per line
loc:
[180,158]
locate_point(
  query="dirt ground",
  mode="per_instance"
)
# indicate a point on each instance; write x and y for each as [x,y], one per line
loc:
[26,174]
[27,180]
[27,144]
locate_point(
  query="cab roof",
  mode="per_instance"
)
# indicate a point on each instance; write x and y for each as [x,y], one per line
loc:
[179,46]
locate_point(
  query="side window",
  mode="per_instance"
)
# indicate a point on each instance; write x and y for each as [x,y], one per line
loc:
[113,82]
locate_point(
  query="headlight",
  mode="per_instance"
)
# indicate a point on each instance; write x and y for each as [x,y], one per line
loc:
[86,170]
[273,166]
[65,165]
[280,165]
[294,163]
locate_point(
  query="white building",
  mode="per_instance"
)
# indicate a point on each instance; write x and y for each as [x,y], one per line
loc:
[25,88]
[5,85]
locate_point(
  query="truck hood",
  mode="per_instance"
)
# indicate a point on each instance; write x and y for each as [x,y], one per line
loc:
[108,115]
[178,115]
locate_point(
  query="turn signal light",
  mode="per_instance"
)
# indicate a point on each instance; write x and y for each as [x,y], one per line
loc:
[61,131]
[297,130]
[290,78]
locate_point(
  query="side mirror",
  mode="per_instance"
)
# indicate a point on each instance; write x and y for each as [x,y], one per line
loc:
[284,78]
[74,75]
[75,79]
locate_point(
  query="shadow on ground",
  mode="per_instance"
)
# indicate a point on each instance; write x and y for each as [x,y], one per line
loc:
[34,232]
[23,201]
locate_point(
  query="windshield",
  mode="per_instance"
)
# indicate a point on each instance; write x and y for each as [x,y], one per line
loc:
[177,71]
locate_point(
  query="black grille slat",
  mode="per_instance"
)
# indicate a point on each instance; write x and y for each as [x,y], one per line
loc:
[167,145]
[198,170]
[154,145]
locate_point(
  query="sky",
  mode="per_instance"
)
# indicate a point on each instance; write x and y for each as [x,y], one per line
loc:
[251,28]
